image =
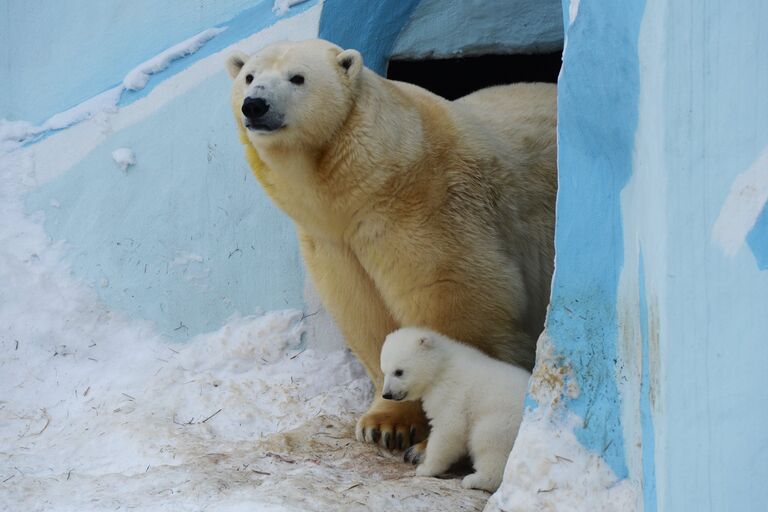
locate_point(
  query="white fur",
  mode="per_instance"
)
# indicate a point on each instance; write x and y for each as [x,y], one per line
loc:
[474,402]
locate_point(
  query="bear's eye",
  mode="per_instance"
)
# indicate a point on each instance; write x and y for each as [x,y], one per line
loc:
[248,79]
[297,79]
[398,373]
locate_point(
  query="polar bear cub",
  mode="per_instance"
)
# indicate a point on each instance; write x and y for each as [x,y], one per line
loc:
[474,402]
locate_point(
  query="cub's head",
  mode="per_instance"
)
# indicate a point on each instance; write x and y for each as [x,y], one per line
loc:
[294,94]
[411,359]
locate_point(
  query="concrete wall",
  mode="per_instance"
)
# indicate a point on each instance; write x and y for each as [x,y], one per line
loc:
[701,168]
[186,237]
[96,43]
[660,296]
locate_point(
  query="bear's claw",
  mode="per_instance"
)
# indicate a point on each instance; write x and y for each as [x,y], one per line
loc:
[392,425]
[415,453]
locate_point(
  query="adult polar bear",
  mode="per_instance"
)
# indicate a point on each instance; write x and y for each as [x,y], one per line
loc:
[410,210]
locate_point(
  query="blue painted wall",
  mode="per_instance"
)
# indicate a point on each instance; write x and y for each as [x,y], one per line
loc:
[186,237]
[715,351]
[370,27]
[758,240]
[96,44]
[662,110]
[597,117]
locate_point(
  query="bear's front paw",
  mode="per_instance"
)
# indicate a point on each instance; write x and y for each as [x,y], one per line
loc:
[393,425]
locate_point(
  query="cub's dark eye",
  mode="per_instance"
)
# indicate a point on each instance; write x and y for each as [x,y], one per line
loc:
[398,373]
[297,79]
[248,79]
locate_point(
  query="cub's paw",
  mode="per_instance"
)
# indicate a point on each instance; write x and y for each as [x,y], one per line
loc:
[393,425]
[426,470]
[415,453]
[482,482]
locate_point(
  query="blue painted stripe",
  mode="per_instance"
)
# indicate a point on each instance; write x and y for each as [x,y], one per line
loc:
[371,27]
[758,240]
[646,414]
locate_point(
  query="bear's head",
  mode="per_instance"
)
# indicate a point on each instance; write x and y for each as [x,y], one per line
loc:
[412,359]
[294,95]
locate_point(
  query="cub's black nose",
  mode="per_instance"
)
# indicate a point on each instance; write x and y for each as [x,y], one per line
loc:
[387,396]
[254,108]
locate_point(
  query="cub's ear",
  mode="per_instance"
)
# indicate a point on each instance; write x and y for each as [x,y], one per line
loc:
[351,62]
[426,342]
[235,63]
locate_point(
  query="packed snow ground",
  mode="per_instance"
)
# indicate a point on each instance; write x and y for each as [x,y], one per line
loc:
[98,412]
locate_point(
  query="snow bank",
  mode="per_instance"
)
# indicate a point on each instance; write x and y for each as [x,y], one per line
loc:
[548,469]
[88,392]
[98,412]
[15,133]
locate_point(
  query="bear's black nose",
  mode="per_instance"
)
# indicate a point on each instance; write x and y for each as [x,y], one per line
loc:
[387,395]
[254,108]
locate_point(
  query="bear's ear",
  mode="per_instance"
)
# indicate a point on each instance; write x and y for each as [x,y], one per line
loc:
[425,342]
[351,62]
[235,63]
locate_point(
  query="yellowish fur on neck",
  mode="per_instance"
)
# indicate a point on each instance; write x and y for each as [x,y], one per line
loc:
[254,161]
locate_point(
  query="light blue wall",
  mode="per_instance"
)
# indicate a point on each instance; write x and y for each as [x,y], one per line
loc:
[96,43]
[186,237]
[714,401]
[662,108]
[190,199]
[597,117]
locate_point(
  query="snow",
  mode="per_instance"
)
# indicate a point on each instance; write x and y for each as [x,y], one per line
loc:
[281,7]
[573,11]
[13,134]
[138,77]
[548,469]
[124,158]
[99,412]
